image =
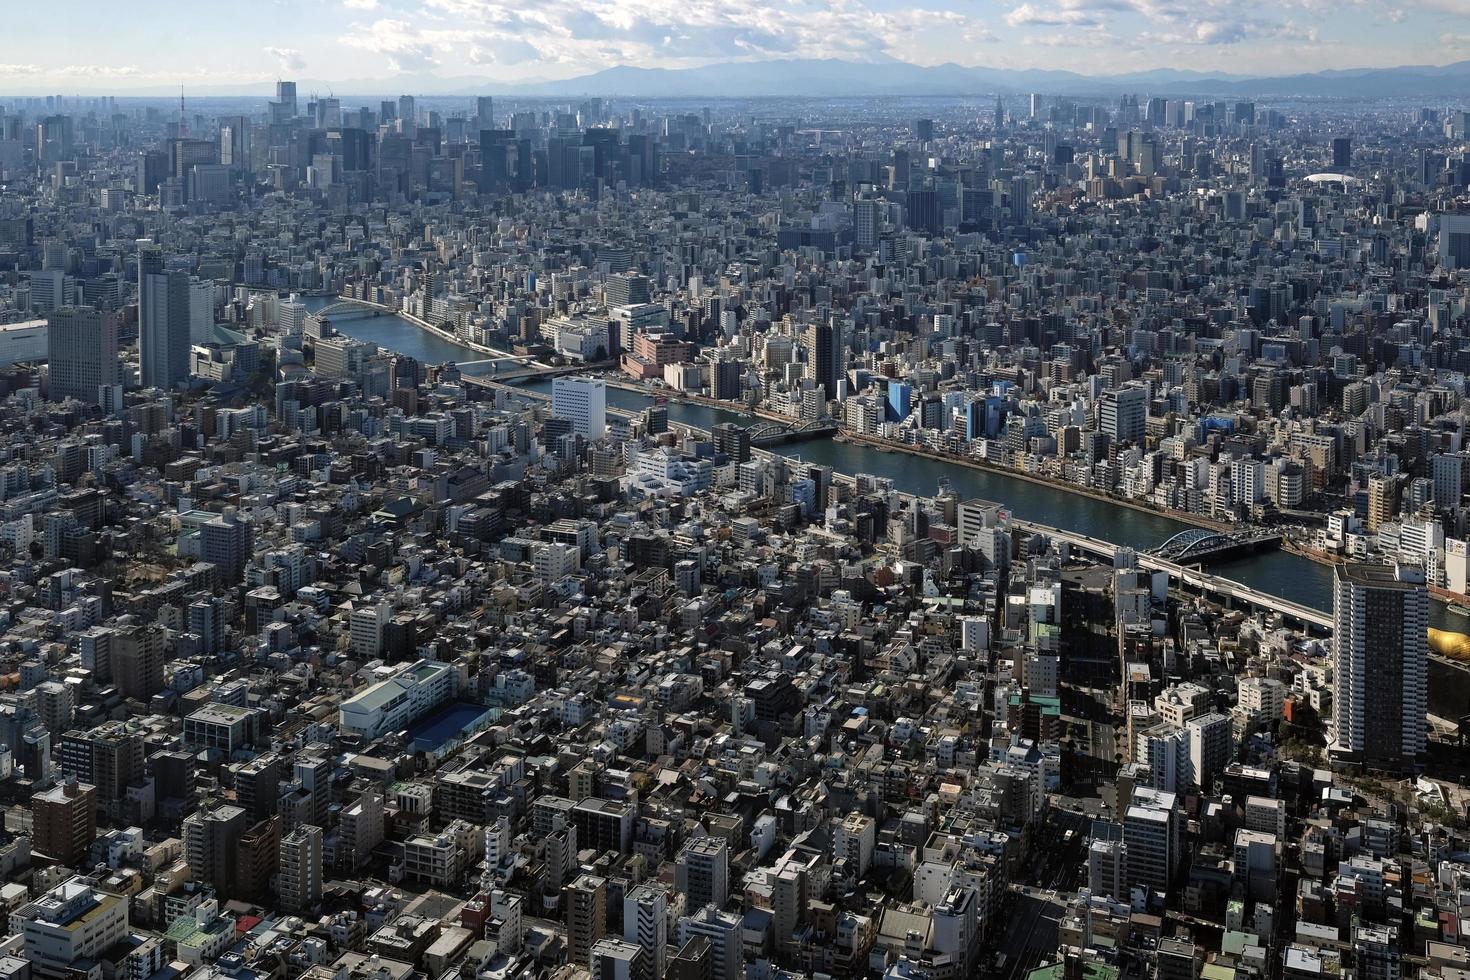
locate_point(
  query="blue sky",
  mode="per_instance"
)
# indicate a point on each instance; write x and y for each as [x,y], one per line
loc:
[248,43]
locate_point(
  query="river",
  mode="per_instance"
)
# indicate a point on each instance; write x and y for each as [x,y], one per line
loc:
[1274,572]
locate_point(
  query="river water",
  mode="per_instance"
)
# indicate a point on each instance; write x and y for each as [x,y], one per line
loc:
[1273,572]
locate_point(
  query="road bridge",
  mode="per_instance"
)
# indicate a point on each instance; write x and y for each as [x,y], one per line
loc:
[1193,578]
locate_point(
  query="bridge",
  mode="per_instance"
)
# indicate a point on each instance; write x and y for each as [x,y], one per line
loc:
[344,308]
[1193,578]
[1197,545]
[772,433]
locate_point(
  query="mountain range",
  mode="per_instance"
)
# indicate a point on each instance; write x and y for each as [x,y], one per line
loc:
[831,78]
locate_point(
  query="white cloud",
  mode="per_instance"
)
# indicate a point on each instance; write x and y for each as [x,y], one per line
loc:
[20,69]
[289,58]
[360,4]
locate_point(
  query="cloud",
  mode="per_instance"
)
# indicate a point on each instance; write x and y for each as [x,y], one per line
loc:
[406,47]
[1027,15]
[103,71]
[360,4]
[289,58]
[20,69]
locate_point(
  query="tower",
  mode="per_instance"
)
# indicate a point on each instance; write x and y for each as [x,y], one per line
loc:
[82,351]
[300,878]
[163,320]
[1381,663]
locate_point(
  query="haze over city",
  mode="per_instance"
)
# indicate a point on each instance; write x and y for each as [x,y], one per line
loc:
[652,490]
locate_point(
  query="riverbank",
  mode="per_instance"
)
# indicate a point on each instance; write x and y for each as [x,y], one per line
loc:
[423,324]
[889,445]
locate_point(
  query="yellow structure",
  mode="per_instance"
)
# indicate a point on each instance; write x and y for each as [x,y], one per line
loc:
[1451,646]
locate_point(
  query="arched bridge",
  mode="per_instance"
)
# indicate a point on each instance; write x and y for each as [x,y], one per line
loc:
[1199,544]
[770,432]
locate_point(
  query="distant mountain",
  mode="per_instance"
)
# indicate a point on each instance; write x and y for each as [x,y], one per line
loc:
[834,78]
[881,76]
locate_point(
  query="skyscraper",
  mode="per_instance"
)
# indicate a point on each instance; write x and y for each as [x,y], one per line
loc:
[484,112]
[584,402]
[1381,663]
[82,351]
[1124,414]
[163,320]
[824,356]
[867,225]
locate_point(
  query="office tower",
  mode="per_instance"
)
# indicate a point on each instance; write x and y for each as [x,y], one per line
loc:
[627,289]
[1342,152]
[226,542]
[286,99]
[71,923]
[211,845]
[582,401]
[484,112]
[1151,834]
[824,356]
[618,959]
[722,931]
[64,821]
[1381,651]
[137,661]
[300,875]
[81,345]
[1035,105]
[1000,114]
[923,130]
[1124,414]
[923,212]
[1454,241]
[867,225]
[725,375]
[646,923]
[585,903]
[163,320]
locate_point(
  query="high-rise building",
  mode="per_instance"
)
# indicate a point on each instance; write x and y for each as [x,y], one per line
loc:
[1151,836]
[163,320]
[585,903]
[1123,415]
[484,112]
[1454,241]
[1381,663]
[81,348]
[300,876]
[702,871]
[722,931]
[646,923]
[64,821]
[1383,503]
[824,356]
[225,542]
[583,401]
[211,845]
[1342,152]
[137,660]
[867,224]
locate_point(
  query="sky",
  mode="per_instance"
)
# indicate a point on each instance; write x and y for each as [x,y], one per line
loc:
[246,44]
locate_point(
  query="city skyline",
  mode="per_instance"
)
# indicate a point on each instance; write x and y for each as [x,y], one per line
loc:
[447,43]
